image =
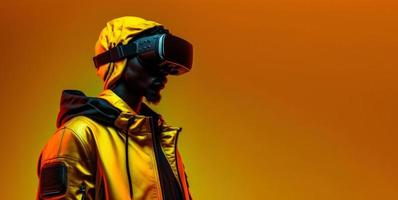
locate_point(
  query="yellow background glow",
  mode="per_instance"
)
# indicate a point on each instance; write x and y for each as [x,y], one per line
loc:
[287,99]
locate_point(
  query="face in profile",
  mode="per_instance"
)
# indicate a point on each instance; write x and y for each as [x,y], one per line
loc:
[144,80]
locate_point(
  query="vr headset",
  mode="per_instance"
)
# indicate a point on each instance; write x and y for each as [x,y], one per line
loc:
[156,49]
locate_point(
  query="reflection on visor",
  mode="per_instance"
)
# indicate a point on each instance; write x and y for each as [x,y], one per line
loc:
[178,53]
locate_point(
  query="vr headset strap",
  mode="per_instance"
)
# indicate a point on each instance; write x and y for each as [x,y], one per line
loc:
[115,53]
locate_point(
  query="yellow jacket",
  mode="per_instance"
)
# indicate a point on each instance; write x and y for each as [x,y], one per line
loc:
[86,158]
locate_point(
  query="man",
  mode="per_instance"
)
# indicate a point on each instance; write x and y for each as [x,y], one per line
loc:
[114,146]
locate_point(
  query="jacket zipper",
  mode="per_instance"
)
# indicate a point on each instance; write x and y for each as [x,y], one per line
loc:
[82,189]
[156,154]
[178,171]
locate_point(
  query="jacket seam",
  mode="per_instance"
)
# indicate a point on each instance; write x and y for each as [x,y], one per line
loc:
[60,143]
[82,144]
[58,157]
[154,156]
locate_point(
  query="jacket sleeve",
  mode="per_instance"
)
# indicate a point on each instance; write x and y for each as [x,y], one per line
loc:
[183,175]
[65,167]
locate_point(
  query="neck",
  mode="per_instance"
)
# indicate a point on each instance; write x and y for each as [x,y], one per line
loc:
[132,99]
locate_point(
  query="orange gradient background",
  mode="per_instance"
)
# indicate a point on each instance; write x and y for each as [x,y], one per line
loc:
[287,99]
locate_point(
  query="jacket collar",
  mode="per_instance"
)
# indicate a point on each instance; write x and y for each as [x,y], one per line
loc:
[116,101]
[127,111]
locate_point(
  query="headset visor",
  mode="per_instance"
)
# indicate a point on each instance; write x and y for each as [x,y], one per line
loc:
[163,50]
[178,54]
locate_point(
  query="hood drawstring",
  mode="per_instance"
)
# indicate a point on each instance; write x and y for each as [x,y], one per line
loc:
[129,122]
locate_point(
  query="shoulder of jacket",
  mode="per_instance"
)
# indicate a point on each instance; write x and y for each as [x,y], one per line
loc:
[80,124]
[73,140]
[81,127]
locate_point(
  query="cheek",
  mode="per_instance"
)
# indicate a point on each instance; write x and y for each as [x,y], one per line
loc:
[137,79]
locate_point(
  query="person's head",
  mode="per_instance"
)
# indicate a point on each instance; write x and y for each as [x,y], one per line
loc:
[140,80]
[140,54]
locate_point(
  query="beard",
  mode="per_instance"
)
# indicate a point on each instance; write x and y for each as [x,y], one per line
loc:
[152,94]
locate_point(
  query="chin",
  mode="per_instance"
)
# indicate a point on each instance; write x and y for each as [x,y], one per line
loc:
[153,97]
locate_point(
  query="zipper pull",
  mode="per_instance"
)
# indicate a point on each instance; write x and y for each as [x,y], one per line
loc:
[82,189]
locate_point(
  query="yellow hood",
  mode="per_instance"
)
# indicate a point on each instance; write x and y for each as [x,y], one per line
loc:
[118,31]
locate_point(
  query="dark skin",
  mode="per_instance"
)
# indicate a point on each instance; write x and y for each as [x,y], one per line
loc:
[137,81]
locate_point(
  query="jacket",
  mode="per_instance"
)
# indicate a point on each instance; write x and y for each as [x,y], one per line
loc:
[90,157]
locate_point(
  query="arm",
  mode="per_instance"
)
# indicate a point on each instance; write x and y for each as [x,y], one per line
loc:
[65,168]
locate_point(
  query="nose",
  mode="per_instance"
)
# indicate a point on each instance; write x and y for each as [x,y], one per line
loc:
[163,80]
[163,72]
